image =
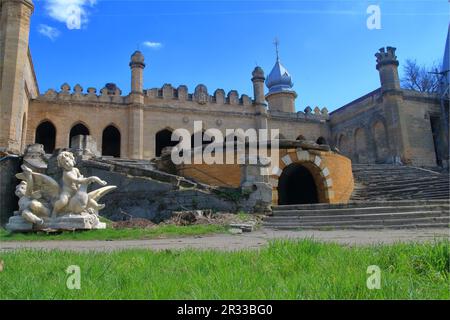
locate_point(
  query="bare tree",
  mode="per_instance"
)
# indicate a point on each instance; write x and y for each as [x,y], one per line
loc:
[420,78]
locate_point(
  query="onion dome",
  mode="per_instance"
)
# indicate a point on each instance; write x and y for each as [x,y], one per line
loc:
[279,79]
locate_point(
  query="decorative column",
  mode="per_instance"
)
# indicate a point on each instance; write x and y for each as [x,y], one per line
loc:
[136,107]
[259,100]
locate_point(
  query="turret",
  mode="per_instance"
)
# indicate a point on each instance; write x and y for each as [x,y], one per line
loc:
[136,100]
[387,66]
[258,86]
[137,66]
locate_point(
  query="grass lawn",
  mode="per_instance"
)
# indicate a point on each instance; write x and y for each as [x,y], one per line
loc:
[117,234]
[284,270]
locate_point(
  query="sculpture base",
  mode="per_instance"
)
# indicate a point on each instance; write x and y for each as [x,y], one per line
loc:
[66,222]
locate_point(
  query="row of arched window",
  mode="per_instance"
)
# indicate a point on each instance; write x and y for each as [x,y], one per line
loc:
[111,138]
[46,135]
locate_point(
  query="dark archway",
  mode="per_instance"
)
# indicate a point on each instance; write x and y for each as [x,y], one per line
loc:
[296,185]
[164,139]
[46,135]
[111,142]
[300,138]
[78,129]
[321,141]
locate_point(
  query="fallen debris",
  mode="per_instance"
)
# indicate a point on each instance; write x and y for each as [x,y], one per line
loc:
[235,231]
[133,223]
[245,227]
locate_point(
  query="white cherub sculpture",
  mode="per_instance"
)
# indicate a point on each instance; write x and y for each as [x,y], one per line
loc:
[73,197]
[32,205]
[38,193]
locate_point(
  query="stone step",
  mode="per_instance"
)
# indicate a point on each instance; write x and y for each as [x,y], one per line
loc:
[398,182]
[356,219]
[360,204]
[405,195]
[365,227]
[318,214]
[372,222]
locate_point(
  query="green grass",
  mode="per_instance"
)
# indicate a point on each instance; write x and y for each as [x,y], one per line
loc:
[117,234]
[283,270]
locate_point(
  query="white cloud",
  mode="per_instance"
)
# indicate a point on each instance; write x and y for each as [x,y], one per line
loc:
[74,13]
[152,45]
[49,32]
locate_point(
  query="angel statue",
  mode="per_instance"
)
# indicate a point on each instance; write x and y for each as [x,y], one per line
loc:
[73,197]
[43,202]
[32,206]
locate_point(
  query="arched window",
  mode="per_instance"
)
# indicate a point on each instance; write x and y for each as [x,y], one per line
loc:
[321,140]
[46,135]
[381,143]
[163,139]
[360,146]
[343,145]
[111,142]
[78,129]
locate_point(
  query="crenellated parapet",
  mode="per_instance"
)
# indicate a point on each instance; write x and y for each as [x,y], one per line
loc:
[308,113]
[110,93]
[200,95]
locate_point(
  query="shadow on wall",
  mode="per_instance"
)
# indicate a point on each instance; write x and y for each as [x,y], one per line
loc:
[9,166]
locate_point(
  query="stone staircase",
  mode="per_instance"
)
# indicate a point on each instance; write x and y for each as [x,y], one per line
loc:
[361,215]
[390,182]
[385,196]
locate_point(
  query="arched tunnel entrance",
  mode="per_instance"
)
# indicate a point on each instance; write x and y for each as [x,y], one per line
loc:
[296,185]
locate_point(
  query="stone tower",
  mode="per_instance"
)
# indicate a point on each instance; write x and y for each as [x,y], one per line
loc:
[280,97]
[387,66]
[14,31]
[136,112]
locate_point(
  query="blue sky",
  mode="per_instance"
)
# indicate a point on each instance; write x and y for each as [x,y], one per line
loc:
[325,45]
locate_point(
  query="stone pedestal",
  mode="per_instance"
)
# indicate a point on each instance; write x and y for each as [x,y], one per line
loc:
[66,222]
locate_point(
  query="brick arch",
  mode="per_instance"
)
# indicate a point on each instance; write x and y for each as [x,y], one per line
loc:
[317,168]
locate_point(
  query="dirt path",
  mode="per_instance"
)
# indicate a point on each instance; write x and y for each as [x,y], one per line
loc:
[226,242]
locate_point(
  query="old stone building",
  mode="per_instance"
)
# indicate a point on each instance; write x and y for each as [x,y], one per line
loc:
[387,125]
